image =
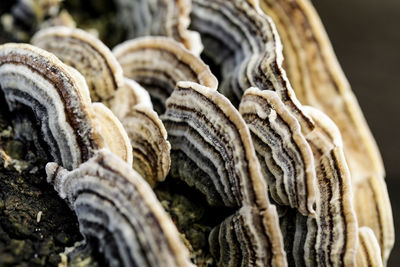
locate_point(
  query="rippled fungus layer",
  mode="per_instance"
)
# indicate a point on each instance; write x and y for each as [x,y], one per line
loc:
[222,133]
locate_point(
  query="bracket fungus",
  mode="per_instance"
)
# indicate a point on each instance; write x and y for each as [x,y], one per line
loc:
[337,228]
[318,80]
[212,151]
[114,135]
[147,135]
[255,49]
[250,171]
[88,55]
[283,151]
[159,18]
[151,150]
[369,252]
[58,96]
[330,232]
[258,62]
[33,78]
[252,56]
[158,63]
[117,209]
[242,42]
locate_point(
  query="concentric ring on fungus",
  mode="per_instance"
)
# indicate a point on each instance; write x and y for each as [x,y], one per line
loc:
[86,53]
[225,163]
[318,80]
[89,55]
[114,135]
[119,213]
[369,252]
[158,63]
[212,151]
[151,158]
[243,42]
[57,95]
[257,62]
[328,237]
[168,18]
[151,150]
[286,157]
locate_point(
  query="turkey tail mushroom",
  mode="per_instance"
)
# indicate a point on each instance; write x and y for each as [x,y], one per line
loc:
[168,18]
[212,151]
[337,228]
[151,150]
[244,42]
[282,150]
[147,135]
[158,63]
[318,81]
[328,235]
[58,97]
[87,54]
[115,137]
[252,56]
[116,208]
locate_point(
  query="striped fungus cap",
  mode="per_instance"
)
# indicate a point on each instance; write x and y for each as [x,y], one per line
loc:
[158,63]
[318,81]
[129,101]
[169,18]
[59,99]
[279,166]
[116,208]
[212,150]
[244,44]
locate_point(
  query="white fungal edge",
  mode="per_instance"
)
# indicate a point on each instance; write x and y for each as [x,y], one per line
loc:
[56,115]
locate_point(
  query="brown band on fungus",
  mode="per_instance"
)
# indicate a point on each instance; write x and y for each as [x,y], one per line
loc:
[317,78]
[374,211]
[151,150]
[244,44]
[318,81]
[328,236]
[88,55]
[104,74]
[212,151]
[57,96]
[369,252]
[118,209]
[147,134]
[336,222]
[281,148]
[168,18]
[158,63]
[115,138]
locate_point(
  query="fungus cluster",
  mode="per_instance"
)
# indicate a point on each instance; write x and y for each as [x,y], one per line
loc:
[176,151]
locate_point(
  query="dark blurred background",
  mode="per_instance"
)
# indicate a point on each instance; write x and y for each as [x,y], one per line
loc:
[366,37]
